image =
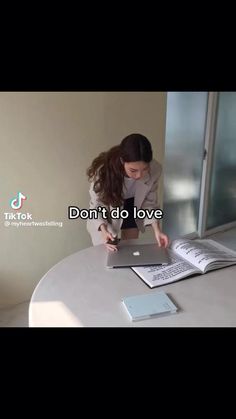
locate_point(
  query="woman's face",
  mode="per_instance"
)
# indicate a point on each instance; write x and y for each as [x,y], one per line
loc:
[136,170]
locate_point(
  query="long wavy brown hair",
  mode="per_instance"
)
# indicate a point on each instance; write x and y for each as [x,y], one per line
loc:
[107,170]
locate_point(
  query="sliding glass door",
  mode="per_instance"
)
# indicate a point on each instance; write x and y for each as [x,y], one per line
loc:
[184,152]
[200,163]
[222,190]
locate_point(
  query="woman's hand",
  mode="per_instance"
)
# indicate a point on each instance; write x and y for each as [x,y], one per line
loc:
[161,238]
[106,235]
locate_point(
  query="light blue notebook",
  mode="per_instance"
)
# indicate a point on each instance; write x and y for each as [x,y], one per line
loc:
[146,306]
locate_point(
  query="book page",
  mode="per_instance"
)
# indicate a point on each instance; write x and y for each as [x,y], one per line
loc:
[158,275]
[204,254]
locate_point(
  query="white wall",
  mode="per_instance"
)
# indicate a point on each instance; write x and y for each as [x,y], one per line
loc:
[47,141]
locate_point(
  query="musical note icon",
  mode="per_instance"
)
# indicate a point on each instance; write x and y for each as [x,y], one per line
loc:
[17,202]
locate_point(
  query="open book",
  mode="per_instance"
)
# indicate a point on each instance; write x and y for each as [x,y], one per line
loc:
[187,257]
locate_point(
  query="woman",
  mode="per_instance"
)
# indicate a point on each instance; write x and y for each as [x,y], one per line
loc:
[123,177]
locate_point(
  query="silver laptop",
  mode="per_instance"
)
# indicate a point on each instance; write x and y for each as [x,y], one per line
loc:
[137,255]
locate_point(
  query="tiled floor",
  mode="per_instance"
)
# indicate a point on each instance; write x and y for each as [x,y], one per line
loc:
[17,316]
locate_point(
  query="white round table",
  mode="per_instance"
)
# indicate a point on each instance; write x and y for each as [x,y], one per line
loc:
[80,291]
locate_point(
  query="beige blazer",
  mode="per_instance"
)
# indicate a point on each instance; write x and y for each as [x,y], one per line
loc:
[145,198]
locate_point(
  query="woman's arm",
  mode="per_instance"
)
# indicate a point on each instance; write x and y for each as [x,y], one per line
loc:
[150,203]
[101,223]
[94,204]
[161,238]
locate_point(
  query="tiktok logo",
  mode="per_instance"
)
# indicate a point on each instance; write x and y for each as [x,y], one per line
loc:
[17,202]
